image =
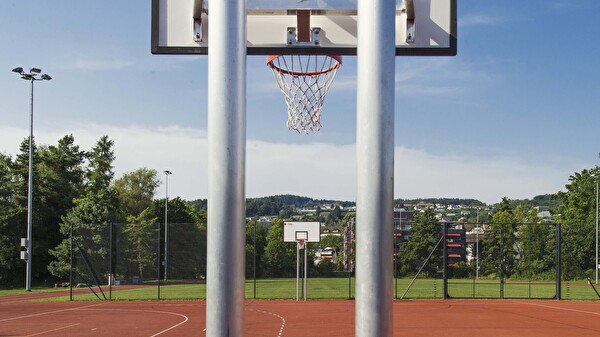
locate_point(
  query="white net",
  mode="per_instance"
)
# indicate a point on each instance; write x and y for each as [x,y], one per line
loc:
[304,80]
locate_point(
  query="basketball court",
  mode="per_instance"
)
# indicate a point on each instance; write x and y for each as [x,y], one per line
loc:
[19,316]
[303,43]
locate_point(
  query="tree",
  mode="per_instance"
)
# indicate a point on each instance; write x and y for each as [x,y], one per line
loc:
[261,243]
[10,228]
[140,232]
[60,181]
[186,236]
[425,232]
[498,254]
[280,257]
[334,216]
[91,213]
[57,179]
[135,191]
[577,214]
[537,246]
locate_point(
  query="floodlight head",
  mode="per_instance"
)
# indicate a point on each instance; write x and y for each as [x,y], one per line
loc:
[35,70]
[46,77]
[18,70]
[167,172]
[27,76]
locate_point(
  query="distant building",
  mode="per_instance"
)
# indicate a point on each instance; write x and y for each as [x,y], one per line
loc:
[456,244]
[330,230]
[544,212]
[422,206]
[403,221]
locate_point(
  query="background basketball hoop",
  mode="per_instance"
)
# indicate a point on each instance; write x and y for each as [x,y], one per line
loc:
[301,237]
[301,243]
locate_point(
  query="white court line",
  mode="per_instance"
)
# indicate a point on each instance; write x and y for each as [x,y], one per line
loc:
[107,309]
[47,313]
[185,318]
[560,308]
[273,314]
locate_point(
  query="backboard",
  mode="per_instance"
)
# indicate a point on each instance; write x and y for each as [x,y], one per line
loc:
[308,231]
[423,27]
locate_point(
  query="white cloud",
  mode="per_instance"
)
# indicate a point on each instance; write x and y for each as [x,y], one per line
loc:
[478,19]
[318,170]
[98,64]
[437,76]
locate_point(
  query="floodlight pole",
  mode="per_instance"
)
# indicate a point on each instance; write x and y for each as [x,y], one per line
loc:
[167,174]
[375,167]
[226,169]
[32,76]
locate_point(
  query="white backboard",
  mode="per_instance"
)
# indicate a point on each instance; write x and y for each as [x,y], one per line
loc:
[292,229]
[432,23]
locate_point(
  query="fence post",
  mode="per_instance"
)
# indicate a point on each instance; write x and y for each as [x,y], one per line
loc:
[445,258]
[71,263]
[501,261]
[254,258]
[110,266]
[558,262]
[158,258]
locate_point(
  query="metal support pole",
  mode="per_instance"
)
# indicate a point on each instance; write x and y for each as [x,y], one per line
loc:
[110,256]
[158,260]
[167,173]
[71,264]
[30,196]
[477,248]
[375,167]
[297,272]
[445,259]
[558,262]
[396,255]
[305,273]
[501,262]
[254,259]
[226,169]
[32,76]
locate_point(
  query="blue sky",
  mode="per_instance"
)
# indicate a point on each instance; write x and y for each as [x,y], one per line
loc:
[513,114]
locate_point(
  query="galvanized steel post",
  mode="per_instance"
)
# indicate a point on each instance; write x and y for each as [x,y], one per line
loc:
[375,167]
[226,168]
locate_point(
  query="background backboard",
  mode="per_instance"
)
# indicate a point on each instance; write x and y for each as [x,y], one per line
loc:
[312,228]
[423,27]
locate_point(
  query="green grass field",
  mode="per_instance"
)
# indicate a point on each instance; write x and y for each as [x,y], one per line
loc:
[17,291]
[338,288]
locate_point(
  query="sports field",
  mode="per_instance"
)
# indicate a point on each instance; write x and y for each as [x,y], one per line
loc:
[21,315]
[135,311]
[343,288]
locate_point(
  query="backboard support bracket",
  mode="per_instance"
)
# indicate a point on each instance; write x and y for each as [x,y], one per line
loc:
[409,10]
[302,34]
[294,40]
[197,18]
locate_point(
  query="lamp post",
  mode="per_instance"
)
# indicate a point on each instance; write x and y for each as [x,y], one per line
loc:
[32,76]
[167,174]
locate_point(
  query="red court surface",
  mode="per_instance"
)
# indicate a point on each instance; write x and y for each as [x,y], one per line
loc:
[21,317]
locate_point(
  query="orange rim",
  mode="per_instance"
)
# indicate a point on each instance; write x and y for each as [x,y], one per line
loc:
[271,58]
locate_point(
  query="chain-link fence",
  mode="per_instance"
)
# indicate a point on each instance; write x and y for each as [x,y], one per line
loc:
[452,260]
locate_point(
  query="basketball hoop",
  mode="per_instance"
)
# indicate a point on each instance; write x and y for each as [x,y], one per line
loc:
[304,81]
[301,243]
